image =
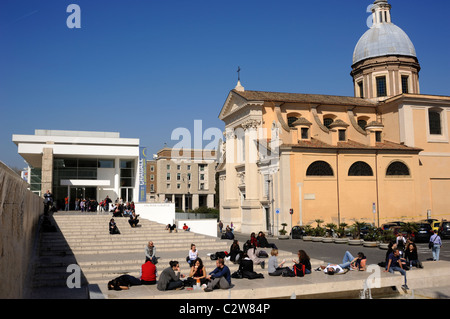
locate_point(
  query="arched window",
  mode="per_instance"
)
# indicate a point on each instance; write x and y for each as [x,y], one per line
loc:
[362,123]
[291,120]
[397,169]
[360,169]
[327,122]
[319,168]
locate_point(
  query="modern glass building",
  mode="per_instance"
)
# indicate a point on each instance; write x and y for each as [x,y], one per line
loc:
[80,164]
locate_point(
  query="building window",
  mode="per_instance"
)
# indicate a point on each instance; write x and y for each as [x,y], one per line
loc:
[342,137]
[397,169]
[178,167]
[327,122]
[202,186]
[381,86]
[178,177]
[291,120]
[378,136]
[202,177]
[168,186]
[168,177]
[319,168]
[360,169]
[361,89]
[189,167]
[189,176]
[305,133]
[152,168]
[362,124]
[152,187]
[405,84]
[178,186]
[434,118]
[168,167]
[152,177]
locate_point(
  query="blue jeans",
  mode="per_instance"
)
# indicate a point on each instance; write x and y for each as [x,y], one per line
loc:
[347,260]
[436,250]
[395,268]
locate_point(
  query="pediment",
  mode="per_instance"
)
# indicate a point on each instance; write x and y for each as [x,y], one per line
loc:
[234,103]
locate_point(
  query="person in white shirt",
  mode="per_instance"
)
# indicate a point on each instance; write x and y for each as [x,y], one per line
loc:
[193,254]
[332,269]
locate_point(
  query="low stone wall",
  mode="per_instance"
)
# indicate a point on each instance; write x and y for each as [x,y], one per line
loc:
[20,210]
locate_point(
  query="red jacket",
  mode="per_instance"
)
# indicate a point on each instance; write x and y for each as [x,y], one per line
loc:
[148,271]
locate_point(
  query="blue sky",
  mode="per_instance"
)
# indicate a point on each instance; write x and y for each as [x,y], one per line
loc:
[145,67]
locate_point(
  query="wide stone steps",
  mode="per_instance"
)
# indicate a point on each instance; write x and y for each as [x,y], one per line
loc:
[85,241]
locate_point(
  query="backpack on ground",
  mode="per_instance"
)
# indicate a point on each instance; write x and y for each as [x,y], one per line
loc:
[299,270]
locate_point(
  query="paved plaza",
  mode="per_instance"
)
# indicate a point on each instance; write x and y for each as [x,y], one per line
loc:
[84,241]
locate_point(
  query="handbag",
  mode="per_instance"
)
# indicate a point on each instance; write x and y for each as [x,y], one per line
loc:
[431,243]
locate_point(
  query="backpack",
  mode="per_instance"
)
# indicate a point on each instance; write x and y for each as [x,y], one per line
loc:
[299,270]
[287,273]
[262,254]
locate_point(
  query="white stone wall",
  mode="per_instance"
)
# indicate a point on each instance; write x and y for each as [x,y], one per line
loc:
[20,210]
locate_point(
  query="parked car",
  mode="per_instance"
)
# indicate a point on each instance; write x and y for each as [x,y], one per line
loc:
[423,233]
[428,220]
[391,224]
[297,232]
[435,225]
[444,230]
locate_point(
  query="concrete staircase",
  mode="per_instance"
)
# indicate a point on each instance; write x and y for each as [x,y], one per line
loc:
[84,240]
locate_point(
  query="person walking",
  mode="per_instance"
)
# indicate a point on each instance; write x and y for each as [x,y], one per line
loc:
[436,243]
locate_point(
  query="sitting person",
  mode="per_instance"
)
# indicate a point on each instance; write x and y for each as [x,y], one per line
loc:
[148,273]
[395,264]
[118,212]
[150,253]
[197,273]
[235,251]
[275,268]
[219,278]
[193,255]
[186,228]
[171,227]
[168,279]
[251,252]
[113,227]
[133,219]
[262,241]
[412,256]
[303,259]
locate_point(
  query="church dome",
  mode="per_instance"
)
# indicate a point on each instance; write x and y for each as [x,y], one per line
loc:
[383,39]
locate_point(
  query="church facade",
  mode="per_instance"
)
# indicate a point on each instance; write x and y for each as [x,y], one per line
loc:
[379,156]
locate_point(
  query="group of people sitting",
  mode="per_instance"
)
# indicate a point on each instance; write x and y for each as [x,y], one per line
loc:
[171,277]
[133,221]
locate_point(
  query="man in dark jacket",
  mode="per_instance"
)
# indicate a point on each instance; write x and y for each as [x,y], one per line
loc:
[220,278]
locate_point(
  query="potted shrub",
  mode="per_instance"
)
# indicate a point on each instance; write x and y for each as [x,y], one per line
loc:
[372,237]
[356,232]
[319,232]
[283,232]
[386,238]
[342,237]
[329,233]
[309,231]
